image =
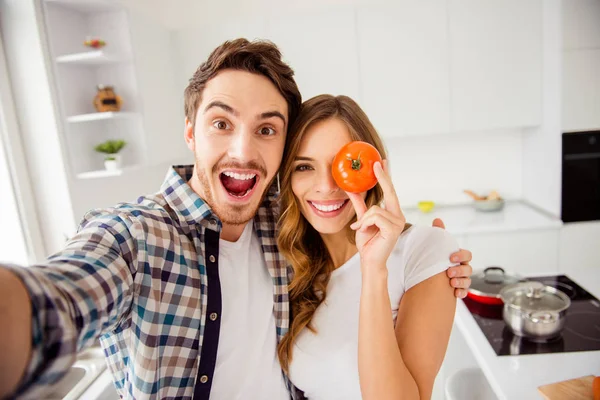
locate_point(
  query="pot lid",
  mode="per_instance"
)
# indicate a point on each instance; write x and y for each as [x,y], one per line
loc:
[535,296]
[491,281]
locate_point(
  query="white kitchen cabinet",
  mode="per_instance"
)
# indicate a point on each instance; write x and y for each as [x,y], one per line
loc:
[581,90]
[495,63]
[580,246]
[321,48]
[581,29]
[403,58]
[522,252]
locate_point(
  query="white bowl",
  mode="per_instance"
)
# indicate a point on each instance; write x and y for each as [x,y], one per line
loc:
[489,205]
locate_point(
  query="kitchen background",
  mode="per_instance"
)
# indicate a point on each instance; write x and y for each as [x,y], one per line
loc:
[468,94]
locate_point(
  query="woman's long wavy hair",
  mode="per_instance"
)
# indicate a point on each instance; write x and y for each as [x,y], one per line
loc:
[299,242]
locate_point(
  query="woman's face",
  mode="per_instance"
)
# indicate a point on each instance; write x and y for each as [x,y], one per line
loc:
[325,206]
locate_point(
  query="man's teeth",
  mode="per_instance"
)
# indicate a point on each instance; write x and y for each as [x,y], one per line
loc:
[240,177]
[328,208]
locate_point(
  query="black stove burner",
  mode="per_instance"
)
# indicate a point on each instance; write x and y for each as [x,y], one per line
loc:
[581,333]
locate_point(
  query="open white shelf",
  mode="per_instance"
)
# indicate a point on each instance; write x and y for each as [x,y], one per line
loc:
[87,6]
[91,57]
[102,116]
[103,173]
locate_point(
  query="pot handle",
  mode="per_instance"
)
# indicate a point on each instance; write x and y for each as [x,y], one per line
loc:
[543,317]
[493,278]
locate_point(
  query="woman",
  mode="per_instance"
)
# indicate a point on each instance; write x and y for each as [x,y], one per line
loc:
[370,298]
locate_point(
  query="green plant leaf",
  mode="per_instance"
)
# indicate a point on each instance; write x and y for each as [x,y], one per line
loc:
[110,146]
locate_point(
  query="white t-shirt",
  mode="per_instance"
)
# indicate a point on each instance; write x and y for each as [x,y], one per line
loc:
[325,365]
[247,364]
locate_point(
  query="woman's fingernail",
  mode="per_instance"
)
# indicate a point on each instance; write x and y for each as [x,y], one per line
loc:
[451,273]
[455,259]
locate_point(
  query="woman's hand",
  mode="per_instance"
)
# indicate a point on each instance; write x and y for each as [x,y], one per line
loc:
[377,229]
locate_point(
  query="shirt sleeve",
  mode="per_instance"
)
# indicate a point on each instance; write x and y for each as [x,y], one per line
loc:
[77,295]
[429,254]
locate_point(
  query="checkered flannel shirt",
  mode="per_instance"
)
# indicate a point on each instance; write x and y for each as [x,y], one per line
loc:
[142,277]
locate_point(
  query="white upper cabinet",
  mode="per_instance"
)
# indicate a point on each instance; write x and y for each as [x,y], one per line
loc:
[581,90]
[403,59]
[495,63]
[321,48]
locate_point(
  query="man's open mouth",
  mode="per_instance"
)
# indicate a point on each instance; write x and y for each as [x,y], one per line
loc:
[237,184]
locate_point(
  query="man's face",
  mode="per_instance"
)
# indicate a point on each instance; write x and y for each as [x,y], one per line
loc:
[238,141]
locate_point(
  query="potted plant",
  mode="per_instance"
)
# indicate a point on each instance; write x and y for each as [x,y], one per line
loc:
[110,149]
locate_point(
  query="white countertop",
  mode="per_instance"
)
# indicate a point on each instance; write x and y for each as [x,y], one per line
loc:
[518,377]
[465,219]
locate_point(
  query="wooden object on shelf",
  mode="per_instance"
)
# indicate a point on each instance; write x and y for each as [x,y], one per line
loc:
[573,389]
[107,100]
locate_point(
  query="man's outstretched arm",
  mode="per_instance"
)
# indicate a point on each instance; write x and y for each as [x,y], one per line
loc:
[49,312]
[15,331]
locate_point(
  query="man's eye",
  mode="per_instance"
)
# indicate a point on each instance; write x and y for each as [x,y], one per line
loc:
[220,125]
[267,131]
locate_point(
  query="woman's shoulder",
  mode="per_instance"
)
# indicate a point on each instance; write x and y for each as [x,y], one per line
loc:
[418,236]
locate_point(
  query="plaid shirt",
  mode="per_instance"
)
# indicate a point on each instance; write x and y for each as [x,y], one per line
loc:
[137,277]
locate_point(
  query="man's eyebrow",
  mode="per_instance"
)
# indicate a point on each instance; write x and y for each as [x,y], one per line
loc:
[301,158]
[223,106]
[271,114]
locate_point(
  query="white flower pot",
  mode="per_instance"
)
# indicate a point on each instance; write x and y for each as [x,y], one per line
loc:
[113,165]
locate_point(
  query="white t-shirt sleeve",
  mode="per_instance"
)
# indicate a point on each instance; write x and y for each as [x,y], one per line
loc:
[427,253]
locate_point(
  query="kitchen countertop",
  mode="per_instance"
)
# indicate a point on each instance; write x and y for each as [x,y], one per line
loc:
[518,377]
[465,219]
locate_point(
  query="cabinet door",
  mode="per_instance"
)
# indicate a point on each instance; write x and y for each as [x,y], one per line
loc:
[581,90]
[517,252]
[403,56]
[321,48]
[495,63]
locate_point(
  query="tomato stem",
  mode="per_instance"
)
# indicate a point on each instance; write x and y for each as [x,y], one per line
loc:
[356,164]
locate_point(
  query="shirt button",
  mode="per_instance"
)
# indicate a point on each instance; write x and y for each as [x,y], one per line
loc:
[212,221]
[204,379]
[213,316]
[212,258]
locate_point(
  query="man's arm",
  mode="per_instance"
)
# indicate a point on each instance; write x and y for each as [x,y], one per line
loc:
[54,310]
[15,335]
[460,275]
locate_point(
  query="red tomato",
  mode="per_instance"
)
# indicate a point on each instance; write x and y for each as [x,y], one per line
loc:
[352,167]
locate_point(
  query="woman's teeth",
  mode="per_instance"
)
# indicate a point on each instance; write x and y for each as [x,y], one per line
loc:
[327,208]
[241,177]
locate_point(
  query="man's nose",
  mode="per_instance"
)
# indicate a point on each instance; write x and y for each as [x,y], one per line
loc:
[243,147]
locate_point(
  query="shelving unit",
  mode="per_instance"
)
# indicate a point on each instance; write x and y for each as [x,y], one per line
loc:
[78,70]
[102,116]
[93,57]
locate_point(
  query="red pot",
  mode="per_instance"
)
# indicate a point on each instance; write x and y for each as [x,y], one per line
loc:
[487,284]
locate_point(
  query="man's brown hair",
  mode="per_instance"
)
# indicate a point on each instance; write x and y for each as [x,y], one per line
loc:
[258,57]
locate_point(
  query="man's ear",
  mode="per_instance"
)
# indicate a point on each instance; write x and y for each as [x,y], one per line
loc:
[189,135]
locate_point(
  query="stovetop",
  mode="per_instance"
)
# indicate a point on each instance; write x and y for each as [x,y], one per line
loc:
[581,332]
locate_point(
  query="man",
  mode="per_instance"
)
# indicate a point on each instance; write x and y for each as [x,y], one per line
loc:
[185,288]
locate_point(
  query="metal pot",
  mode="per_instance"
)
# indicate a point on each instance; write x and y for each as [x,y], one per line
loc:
[487,284]
[534,310]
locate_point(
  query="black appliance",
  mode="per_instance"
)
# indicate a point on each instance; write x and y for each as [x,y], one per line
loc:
[580,176]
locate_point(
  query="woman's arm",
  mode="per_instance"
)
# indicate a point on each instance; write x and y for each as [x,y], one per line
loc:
[402,362]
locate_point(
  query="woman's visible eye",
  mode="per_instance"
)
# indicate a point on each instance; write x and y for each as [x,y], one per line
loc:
[220,124]
[303,167]
[267,131]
